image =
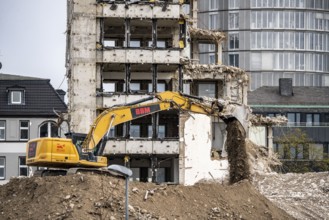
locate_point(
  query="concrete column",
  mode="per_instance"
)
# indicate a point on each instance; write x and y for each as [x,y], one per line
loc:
[194,13]
[154,166]
[228,86]
[82,65]
[245,93]
[219,53]
[270,140]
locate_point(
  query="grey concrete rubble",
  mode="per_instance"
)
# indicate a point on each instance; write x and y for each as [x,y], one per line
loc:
[197,33]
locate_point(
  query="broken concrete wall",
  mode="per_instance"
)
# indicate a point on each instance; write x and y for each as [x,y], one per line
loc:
[197,163]
[81,69]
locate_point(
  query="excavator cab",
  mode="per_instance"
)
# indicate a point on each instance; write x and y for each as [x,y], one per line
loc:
[77,140]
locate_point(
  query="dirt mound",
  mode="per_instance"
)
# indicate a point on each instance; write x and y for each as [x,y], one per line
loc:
[237,152]
[85,196]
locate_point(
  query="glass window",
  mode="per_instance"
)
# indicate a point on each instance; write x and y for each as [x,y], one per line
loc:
[312,119]
[264,40]
[253,40]
[187,88]
[212,47]
[135,131]
[109,87]
[212,59]
[300,3]
[48,129]
[213,4]
[233,60]
[213,19]
[253,3]
[281,41]
[16,97]
[2,130]
[161,87]
[2,168]
[264,19]
[109,43]
[281,19]
[275,20]
[234,41]
[259,40]
[253,19]
[161,131]
[24,130]
[233,20]
[270,40]
[234,4]
[293,118]
[255,61]
[160,44]
[316,119]
[135,87]
[207,89]
[299,61]
[135,43]
[259,19]
[256,80]
[259,3]
[22,168]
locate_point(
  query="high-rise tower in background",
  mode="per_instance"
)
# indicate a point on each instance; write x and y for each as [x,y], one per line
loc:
[271,39]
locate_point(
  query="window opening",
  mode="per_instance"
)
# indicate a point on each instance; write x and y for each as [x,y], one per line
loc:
[48,129]
[24,130]
[22,167]
[2,168]
[2,130]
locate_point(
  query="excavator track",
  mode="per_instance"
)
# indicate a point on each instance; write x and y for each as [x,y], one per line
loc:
[73,171]
[99,171]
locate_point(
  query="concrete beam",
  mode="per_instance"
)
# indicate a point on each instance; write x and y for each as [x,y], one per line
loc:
[138,11]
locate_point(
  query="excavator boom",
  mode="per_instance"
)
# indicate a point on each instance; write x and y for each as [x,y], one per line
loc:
[57,152]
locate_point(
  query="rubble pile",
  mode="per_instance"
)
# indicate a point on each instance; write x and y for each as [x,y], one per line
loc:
[196,70]
[202,34]
[304,196]
[260,161]
[86,196]
[258,120]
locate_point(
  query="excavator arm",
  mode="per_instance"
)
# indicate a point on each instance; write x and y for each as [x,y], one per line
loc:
[67,153]
[165,101]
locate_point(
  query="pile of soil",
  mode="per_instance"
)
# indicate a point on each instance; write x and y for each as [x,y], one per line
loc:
[86,196]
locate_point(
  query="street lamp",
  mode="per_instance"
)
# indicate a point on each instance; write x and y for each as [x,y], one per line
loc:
[122,171]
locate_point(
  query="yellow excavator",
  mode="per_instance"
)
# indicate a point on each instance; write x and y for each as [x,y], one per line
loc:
[81,151]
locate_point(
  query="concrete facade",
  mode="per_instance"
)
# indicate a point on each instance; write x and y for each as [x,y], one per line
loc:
[120,52]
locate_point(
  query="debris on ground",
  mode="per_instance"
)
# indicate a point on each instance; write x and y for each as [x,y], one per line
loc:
[303,196]
[86,196]
[260,161]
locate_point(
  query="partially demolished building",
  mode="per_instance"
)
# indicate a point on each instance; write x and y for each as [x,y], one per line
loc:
[122,51]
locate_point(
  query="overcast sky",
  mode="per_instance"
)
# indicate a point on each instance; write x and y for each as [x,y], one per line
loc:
[32,39]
